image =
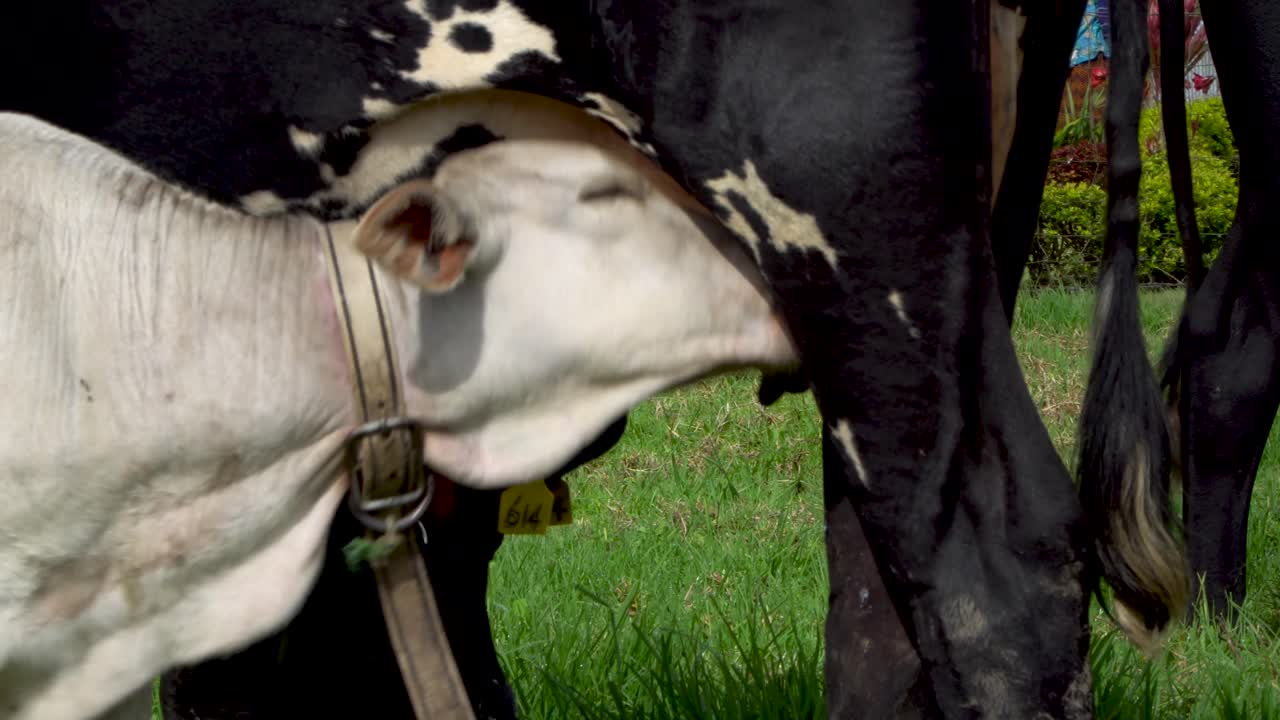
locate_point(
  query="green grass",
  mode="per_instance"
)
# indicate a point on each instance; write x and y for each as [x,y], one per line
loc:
[693,581]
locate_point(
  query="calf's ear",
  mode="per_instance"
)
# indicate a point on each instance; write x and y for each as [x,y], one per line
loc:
[418,233]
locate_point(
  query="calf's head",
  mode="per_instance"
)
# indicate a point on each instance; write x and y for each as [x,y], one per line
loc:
[549,287]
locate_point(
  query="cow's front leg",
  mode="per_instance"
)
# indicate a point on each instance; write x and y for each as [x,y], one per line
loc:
[872,669]
[973,521]
[855,182]
[971,516]
[889,682]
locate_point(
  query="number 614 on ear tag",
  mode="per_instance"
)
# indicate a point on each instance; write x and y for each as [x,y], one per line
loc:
[525,509]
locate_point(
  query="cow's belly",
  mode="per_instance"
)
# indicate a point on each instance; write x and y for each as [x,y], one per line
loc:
[99,597]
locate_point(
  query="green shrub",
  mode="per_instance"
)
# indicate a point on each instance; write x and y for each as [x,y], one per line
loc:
[1068,247]
[1207,128]
[1214,189]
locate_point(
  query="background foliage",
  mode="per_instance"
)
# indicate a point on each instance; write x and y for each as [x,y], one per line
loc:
[1073,213]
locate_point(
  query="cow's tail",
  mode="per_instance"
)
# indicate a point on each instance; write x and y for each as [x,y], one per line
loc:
[1124,445]
[1174,113]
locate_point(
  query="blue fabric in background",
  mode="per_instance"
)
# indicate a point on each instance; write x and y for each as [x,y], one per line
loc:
[1102,10]
[1094,36]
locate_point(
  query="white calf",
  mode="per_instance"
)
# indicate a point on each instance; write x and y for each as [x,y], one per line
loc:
[173,379]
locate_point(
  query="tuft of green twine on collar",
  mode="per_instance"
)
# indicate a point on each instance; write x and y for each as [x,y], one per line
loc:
[368,550]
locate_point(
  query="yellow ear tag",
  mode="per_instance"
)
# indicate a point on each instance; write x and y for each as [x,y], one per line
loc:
[561,505]
[525,509]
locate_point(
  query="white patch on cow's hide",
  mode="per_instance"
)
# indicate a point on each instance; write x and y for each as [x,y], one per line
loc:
[993,695]
[262,202]
[307,143]
[1078,700]
[613,112]
[895,299]
[963,620]
[620,117]
[844,435]
[376,108]
[381,35]
[788,228]
[445,65]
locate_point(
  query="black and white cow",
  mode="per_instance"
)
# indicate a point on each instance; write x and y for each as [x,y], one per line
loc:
[1221,365]
[848,146]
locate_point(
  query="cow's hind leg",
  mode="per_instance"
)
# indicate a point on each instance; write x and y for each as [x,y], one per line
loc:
[1229,393]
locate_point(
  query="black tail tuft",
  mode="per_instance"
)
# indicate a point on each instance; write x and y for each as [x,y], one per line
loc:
[1124,444]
